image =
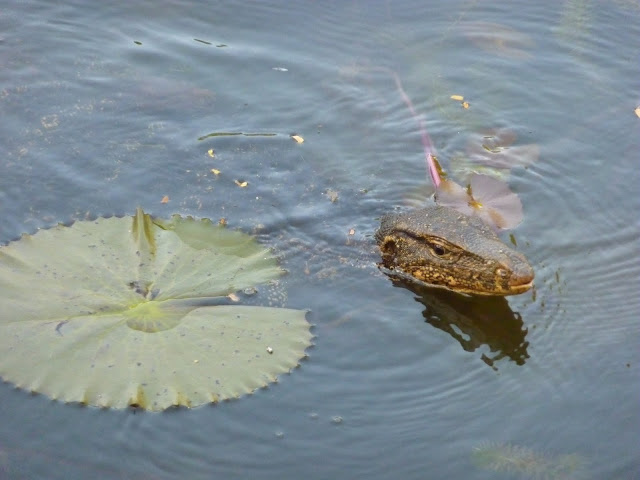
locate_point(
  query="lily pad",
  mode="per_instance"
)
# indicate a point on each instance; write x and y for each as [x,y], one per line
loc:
[131,311]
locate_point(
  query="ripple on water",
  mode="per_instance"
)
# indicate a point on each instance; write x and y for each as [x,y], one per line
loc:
[98,122]
[585,307]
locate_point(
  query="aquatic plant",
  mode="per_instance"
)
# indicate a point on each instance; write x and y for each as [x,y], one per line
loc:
[489,198]
[526,462]
[133,311]
[496,149]
[432,167]
[485,196]
[498,39]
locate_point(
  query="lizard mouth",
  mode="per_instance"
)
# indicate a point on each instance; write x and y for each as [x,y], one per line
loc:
[521,280]
[520,288]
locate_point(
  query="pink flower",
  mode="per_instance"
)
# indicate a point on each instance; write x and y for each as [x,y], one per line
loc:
[488,198]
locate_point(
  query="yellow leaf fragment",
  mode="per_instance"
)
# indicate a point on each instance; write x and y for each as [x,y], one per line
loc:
[637,110]
[215,171]
[457,97]
[465,104]
[211,153]
[165,199]
[241,183]
[297,138]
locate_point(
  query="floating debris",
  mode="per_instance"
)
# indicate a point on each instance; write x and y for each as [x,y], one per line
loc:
[460,98]
[234,134]
[332,195]
[50,121]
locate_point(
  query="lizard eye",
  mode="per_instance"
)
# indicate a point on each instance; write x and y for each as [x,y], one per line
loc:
[438,250]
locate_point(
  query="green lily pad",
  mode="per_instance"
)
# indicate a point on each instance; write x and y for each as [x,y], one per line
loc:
[127,311]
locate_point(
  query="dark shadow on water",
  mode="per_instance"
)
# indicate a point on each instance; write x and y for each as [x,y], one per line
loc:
[473,321]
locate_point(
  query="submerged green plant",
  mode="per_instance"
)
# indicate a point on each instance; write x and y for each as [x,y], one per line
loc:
[525,462]
[130,311]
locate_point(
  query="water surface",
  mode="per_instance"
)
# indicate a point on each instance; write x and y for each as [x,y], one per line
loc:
[108,107]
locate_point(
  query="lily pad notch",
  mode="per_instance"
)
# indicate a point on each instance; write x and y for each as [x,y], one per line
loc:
[132,311]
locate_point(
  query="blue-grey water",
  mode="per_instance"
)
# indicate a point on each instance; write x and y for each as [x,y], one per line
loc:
[105,106]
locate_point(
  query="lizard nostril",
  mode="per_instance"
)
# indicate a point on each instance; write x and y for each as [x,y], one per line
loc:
[523,275]
[390,248]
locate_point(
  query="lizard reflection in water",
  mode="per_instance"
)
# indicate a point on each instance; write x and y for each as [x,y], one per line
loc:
[483,323]
[442,247]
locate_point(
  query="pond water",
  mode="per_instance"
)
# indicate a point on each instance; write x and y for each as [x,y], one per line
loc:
[108,107]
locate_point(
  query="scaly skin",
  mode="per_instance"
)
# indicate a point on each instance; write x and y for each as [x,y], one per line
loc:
[442,247]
